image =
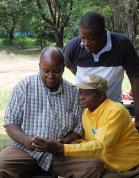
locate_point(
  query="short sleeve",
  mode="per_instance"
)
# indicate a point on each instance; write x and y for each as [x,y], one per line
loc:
[14,111]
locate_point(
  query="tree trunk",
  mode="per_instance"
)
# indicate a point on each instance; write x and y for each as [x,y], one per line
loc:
[116,15]
[59,38]
[136,17]
[11,34]
[130,21]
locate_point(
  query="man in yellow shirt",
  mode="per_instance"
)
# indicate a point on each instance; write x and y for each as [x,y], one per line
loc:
[109,132]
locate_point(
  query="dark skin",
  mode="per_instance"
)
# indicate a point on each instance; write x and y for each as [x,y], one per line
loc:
[90,99]
[94,42]
[135,93]
[92,39]
[51,70]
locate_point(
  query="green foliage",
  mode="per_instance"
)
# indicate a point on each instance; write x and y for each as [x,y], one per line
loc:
[20,42]
[54,13]
[81,7]
[24,42]
[4,95]
[4,43]
[3,140]
[50,20]
[11,12]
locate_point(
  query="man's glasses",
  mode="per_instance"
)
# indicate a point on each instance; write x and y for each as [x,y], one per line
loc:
[46,73]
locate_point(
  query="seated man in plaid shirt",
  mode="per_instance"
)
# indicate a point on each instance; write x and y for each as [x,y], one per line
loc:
[43,106]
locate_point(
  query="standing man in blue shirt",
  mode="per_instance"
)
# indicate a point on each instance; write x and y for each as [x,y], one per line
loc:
[104,53]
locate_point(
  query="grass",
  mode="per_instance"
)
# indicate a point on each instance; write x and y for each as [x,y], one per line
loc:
[4,95]
[3,140]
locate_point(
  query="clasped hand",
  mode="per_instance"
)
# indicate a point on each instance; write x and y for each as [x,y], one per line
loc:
[42,145]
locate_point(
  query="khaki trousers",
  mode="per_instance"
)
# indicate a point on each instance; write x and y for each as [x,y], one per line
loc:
[15,163]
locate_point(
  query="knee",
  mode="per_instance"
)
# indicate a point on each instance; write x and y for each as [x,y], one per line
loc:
[3,169]
[97,168]
[99,165]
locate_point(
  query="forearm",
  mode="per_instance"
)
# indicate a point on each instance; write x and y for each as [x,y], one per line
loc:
[135,92]
[15,133]
[85,149]
[71,137]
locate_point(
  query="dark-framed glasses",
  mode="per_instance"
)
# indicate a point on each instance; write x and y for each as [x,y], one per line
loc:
[46,72]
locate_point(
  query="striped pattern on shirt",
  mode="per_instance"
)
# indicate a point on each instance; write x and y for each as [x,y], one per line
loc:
[50,115]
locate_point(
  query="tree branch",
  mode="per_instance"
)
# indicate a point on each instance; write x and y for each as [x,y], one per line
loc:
[51,10]
[41,11]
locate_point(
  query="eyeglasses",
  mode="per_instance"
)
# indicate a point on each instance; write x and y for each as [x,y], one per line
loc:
[46,73]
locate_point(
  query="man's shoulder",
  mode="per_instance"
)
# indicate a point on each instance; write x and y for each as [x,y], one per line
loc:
[119,36]
[28,80]
[69,85]
[116,106]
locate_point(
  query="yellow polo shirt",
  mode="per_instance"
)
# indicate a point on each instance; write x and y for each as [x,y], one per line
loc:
[110,134]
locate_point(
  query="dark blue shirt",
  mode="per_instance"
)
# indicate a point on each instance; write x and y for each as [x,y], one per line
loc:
[111,64]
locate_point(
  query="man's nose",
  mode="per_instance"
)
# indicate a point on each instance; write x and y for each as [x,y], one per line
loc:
[50,74]
[87,42]
[81,97]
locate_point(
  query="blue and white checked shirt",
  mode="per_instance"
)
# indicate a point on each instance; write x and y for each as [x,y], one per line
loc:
[50,115]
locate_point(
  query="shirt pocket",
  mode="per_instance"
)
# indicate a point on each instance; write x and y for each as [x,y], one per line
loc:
[67,122]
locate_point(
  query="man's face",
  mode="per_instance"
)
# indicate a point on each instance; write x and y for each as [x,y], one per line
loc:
[89,99]
[51,71]
[92,39]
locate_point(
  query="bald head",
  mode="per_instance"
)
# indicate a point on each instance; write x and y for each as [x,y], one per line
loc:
[52,52]
[51,67]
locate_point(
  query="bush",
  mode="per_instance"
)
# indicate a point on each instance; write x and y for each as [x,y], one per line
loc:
[20,42]
[4,43]
[24,42]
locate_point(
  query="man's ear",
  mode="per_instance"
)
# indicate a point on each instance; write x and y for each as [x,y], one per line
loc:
[103,96]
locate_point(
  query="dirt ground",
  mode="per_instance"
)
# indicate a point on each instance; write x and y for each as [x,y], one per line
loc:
[14,68]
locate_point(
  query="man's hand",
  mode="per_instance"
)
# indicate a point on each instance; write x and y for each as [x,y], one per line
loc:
[28,142]
[70,137]
[137,125]
[15,133]
[43,145]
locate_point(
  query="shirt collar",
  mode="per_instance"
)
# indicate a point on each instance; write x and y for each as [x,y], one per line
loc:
[97,112]
[106,48]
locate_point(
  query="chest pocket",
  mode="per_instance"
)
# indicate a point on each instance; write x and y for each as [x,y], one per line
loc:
[67,123]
